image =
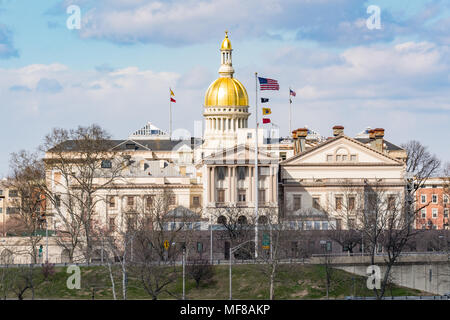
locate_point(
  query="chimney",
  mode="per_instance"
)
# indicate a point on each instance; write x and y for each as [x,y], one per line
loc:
[379,142]
[301,134]
[294,137]
[338,131]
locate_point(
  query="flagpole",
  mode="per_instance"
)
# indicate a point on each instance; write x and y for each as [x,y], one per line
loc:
[290,112]
[170,113]
[256,167]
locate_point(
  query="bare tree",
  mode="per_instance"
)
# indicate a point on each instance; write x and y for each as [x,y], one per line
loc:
[161,234]
[200,271]
[81,164]
[237,228]
[420,162]
[387,224]
[275,231]
[27,180]
[343,215]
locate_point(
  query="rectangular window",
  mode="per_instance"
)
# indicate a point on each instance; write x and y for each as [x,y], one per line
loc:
[372,202]
[57,201]
[12,210]
[13,193]
[241,173]
[112,202]
[316,203]
[130,201]
[112,224]
[172,200]
[424,213]
[351,203]
[196,201]
[283,155]
[1,210]
[338,203]
[391,203]
[221,173]
[434,198]
[308,225]
[316,225]
[445,213]
[199,247]
[249,135]
[344,157]
[325,225]
[434,213]
[106,164]
[445,198]
[297,202]
[338,158]
[1,192]
[329,158]
[353,157]
[262,196]
[149,202]
[221,195]
[242,196]
[423,198]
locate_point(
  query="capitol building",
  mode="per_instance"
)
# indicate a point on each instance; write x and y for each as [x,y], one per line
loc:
[300,177]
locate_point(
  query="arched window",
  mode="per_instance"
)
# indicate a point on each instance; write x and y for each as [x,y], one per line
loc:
[6,257]
[221,220]
[242,220]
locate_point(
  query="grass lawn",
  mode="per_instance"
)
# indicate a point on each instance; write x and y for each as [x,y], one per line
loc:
[249,282]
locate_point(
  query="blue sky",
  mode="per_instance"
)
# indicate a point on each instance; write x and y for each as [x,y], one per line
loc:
[116,70]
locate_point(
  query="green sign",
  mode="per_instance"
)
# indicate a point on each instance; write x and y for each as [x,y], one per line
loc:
[266,241]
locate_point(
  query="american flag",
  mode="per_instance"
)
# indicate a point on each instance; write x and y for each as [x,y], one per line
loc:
[268,84]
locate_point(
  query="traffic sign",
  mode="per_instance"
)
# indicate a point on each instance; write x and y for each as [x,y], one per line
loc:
[166,244]
[266,241]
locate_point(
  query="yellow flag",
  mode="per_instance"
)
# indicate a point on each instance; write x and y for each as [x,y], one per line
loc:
[171,93]
[266,111]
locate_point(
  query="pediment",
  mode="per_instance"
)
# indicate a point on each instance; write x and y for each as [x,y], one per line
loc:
[341,151]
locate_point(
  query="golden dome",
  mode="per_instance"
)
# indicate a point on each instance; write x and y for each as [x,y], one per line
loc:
[226,43]
[226,92]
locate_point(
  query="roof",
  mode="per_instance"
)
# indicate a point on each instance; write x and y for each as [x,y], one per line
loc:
[139,145]
[389,146]
[335,139]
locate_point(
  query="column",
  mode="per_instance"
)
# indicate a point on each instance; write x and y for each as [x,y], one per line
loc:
[275,184]
[212,184]
[233,184]
[229,183]
[250,184]
[208,184]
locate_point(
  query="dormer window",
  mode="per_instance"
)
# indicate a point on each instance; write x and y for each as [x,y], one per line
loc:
[106,164]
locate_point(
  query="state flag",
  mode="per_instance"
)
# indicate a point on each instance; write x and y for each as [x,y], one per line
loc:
[172,99]
[265,120]
[292,92]
[266,111]
[264,100]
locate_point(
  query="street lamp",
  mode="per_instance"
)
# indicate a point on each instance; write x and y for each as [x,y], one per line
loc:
[231,251]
